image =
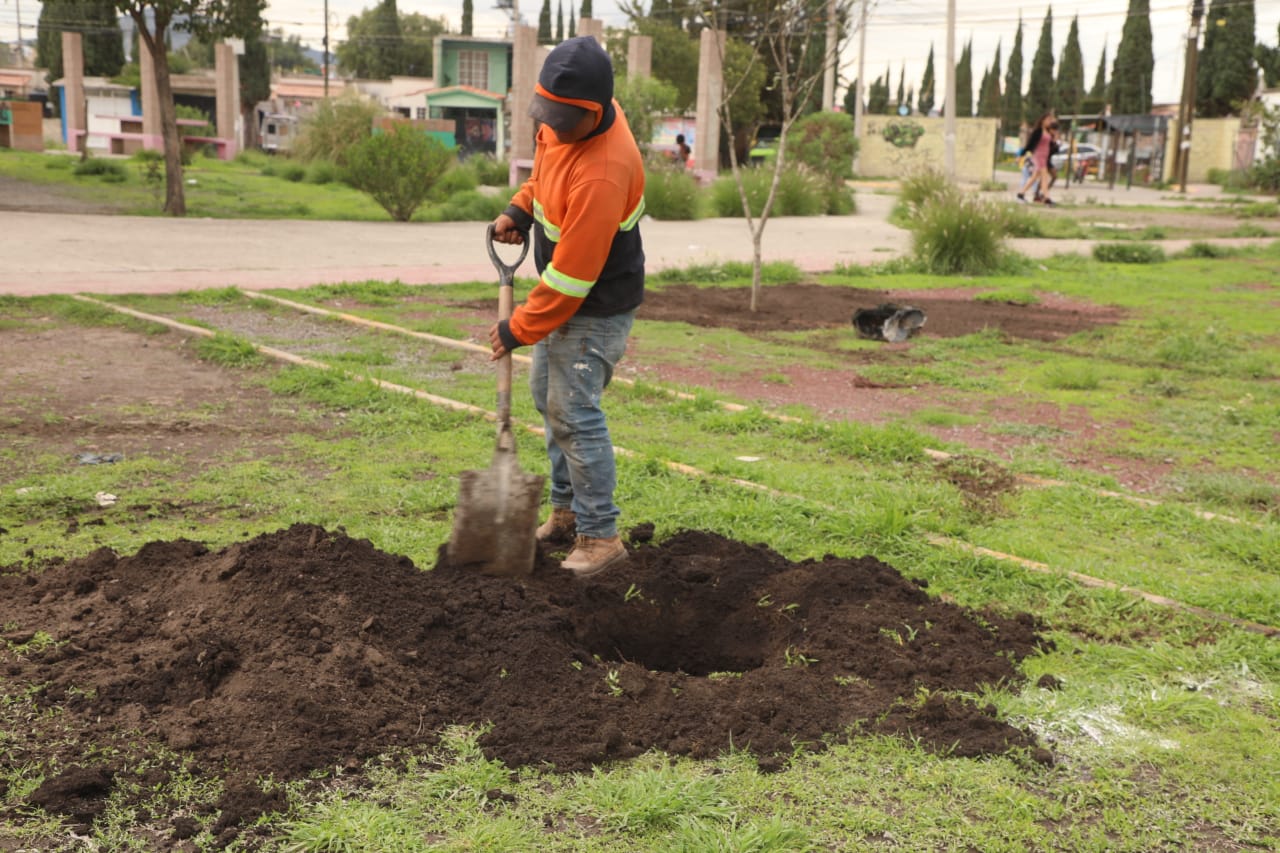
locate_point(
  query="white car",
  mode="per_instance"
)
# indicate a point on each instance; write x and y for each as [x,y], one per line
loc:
[1085,154]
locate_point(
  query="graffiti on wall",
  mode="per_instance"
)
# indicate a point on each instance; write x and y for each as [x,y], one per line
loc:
[893,147]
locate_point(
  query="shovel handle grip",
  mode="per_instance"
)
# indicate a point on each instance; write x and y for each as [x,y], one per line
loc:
[506,271]
[506,304]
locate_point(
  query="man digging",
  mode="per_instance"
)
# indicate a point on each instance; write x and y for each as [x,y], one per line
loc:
[584,200]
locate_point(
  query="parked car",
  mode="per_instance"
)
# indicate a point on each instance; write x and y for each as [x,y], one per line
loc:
[1084,159]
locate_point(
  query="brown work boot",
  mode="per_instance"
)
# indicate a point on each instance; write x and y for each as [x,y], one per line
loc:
[592,556]
[559,526]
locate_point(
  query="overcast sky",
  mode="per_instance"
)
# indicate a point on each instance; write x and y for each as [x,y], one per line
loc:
[898,31]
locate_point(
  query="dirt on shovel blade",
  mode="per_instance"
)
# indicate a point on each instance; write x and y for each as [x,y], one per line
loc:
[307,650]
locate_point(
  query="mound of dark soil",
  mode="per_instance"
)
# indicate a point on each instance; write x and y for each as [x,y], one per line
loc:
[305,649]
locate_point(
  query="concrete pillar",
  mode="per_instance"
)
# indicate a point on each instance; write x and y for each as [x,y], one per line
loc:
[525,65]
[639,56]
[592,27]
[227,91]
[75,114]
[152,130]
[706,137]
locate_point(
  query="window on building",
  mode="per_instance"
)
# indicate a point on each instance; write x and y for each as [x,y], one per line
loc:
[422,112]
[473,69]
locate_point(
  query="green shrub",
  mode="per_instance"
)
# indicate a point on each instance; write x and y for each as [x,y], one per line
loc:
[491,171]
[824,142]
[294,173]
[1265,209]
[398,168]
[468,206]
[1128,253]
[1152,232]
[335,127]
[1266,175]
[110,171]
[252,159]
[1201,249]
[1248,229]
[958,234]
[840,200]
[798,193]
[323,172]
[460,178]
[187,112]
[670,194]
[1229,179]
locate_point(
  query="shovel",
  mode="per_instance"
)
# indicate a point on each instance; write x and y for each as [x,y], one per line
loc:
[495,523]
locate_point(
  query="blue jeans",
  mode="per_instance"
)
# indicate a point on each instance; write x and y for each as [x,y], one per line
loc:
[571,368]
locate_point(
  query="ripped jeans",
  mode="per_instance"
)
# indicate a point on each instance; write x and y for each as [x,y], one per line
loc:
[571,368]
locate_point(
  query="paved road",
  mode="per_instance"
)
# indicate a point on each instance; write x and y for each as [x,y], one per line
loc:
[68,253]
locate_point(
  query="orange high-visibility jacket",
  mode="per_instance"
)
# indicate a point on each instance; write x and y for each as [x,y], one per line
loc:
[584,201]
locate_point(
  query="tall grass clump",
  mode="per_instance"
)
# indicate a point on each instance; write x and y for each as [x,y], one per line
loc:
[671,194]
[918,188]
[1128,253]
[110,171]
[958,234]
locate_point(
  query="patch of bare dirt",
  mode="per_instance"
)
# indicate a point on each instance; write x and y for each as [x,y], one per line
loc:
[45,198]
[1000,426]
[108,391]
[796,307]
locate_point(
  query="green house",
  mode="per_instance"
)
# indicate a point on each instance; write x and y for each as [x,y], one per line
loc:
[474,79]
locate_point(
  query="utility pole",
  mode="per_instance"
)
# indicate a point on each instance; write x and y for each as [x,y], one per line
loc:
[18,3]
[949,117]
[829,70]
[858,84]
[326,49]
[1187,108]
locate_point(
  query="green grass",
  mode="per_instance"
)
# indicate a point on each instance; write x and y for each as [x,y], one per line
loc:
[1163,722]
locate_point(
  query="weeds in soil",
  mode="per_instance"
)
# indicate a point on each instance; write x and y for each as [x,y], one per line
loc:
[1159,718]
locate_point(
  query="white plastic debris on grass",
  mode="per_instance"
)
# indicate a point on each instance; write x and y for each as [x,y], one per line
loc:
[105,499]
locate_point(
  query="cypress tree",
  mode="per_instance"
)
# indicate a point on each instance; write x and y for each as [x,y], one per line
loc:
[468,17]
[1012,113]
[1131,74]
[1070,88]
[878,97]
[964,82]
[1040,88]
[926,86]
[902,82]
[851,98]
[573,24]
[560,22]
[544,23]
[102,41]
[1269,59]
[989,102]
[1099,89]
[586,9]
[1226,72]
[911,97]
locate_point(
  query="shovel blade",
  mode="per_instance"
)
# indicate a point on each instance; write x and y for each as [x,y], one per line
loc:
[496,520]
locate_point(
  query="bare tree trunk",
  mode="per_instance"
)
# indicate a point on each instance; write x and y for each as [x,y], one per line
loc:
[175,202]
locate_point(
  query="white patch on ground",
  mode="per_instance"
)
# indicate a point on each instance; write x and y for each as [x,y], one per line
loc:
[1102,726]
